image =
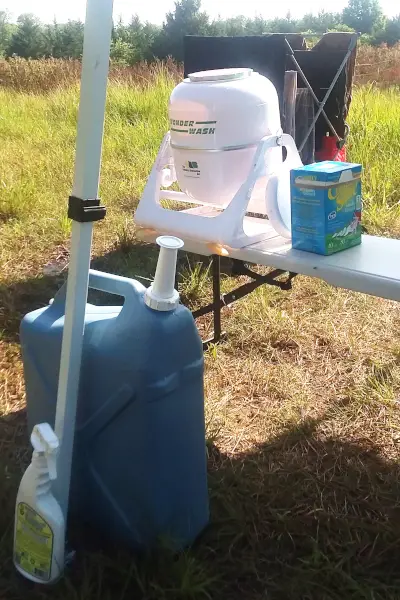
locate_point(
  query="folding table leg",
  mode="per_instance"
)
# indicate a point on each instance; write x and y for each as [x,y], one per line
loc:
[215,306]
[216,275]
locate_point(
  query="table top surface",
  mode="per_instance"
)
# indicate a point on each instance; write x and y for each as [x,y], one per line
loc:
[373,267]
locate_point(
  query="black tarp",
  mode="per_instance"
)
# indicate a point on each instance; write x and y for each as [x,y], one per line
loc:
[269,55]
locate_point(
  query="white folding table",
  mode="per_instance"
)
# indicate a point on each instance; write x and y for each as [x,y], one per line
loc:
[371,268]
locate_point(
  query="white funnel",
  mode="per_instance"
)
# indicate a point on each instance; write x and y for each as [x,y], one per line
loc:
[162,295]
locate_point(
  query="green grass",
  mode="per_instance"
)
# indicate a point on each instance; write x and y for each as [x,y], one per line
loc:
[303,419]
[374,142]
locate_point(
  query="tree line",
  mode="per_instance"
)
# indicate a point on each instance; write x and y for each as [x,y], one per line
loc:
[136,41]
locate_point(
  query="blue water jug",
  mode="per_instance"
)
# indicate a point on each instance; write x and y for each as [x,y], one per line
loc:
[139,464]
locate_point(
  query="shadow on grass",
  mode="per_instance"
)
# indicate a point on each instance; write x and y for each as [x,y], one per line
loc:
[13,458]
[300,518]
[21,297]
[137,260]
[306,517]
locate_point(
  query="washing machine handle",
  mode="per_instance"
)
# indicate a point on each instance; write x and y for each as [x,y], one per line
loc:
[277,194]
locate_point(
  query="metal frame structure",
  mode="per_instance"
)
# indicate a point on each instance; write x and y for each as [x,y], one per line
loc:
[221,300]
[321,105]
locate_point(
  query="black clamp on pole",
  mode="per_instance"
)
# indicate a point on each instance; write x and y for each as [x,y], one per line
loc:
[85,211]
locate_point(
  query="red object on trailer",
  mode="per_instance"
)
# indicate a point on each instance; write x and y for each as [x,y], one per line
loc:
[330,150]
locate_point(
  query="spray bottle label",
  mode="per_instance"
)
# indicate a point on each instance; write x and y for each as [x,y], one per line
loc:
[33,543]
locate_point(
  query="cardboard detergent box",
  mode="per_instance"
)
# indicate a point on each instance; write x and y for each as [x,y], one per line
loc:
[326,207]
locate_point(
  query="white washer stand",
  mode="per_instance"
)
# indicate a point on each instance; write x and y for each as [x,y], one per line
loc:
[372,268]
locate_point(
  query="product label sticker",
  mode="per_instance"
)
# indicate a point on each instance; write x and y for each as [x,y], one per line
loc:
[33,543]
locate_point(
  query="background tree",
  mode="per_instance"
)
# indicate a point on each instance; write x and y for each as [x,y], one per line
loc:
[286,25]
[54,41]
[364,16]
[185,19]
[391,33]
[141,37]
[122,53]
[71,36]
[28,40]
[6,30]
[320,23]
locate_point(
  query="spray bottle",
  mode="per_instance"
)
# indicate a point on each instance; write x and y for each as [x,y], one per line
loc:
[39,535]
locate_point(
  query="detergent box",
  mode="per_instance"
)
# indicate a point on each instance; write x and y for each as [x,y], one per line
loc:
[326,207]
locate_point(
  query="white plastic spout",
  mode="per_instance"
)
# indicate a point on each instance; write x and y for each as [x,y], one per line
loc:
[162,295]
[164,280]
[45,441]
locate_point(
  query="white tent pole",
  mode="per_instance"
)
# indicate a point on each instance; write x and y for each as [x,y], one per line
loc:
[96,51]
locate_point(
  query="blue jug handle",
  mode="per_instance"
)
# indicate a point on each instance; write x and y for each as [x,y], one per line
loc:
[130,289]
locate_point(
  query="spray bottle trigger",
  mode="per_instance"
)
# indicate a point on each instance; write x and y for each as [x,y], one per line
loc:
[44,440]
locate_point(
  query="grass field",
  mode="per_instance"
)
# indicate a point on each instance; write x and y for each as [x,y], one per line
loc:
[378,65]
[303,418]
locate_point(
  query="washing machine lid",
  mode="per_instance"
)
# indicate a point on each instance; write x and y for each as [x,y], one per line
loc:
[220,75]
